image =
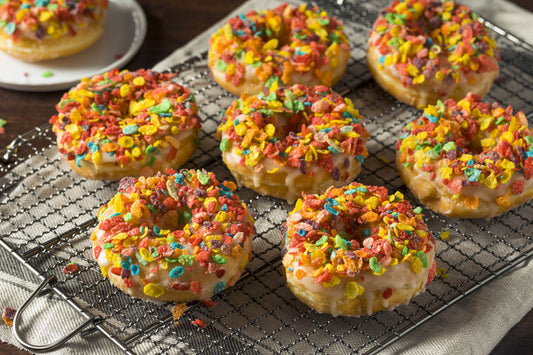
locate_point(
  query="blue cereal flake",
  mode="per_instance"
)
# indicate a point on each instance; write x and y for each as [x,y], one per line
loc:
[330,209]
[130,129]
[135,270]
[219,287]
[472,174]
[176,272]
[431,118]
[79,158]
[362,189]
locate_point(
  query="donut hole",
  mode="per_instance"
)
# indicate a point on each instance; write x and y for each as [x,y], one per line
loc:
[288,125]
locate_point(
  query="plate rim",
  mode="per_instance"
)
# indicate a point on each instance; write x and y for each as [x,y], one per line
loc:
[140,25]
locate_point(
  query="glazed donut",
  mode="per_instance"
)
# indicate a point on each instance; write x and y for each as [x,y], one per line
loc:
[468,159]
[421,51]
[125,123]
[176,236]
[355,250]
[35,30]
[293,139]
[286,44]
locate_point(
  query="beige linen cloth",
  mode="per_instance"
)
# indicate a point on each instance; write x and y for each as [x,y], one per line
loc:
[473,325]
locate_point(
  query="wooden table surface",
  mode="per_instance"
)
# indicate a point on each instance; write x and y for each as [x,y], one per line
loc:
[171,24]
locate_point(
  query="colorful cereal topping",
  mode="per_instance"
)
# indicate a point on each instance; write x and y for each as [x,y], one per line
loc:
[182,224]
[353,229]
[177,311]
[425,40]
[278,42]
[71,268]
[40,19]
[8,315]
[124,117]
[266,125]
[470,143]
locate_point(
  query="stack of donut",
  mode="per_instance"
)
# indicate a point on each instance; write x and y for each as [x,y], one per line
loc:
[36,30]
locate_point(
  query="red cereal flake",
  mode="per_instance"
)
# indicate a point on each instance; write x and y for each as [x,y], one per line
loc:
[198,322]
[70,268]
[196,287]
[518,187]
[387,293]
[209,303]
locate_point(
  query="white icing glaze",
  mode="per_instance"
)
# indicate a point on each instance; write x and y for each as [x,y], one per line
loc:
[399,276]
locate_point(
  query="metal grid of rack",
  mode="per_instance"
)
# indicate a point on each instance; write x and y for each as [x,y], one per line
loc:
[48,214]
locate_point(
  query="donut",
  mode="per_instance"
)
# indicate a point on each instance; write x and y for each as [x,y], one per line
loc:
[293,139]
[356,250]
[421,51]
[286,44]
[176,236]
[36,30]
[468,159]
[120,124]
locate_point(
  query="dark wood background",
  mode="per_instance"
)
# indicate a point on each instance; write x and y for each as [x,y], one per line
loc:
[171,24]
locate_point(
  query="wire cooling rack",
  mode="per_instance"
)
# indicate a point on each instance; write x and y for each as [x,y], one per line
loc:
[48,212]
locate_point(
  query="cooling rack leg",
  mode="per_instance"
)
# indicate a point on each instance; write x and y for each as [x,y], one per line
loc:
[46,347]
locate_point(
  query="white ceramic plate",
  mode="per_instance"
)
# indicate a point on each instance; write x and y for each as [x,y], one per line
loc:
[125,29]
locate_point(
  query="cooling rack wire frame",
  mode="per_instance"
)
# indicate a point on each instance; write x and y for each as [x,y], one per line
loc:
[55,208]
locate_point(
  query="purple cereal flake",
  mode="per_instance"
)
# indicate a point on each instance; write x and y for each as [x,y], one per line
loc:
[153,199]
[216,244]
[520,153]
[125,273]
[162,207]
[126,183]
[451,154]
[430,71]
[350,254]
[435,22]
[418,62]
[302,165]
[312,223]
[346,163]
[199,192]
[514,159]
[448,80]
[9,313]
[336,174]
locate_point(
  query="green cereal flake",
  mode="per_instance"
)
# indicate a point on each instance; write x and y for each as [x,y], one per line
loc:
[374,264]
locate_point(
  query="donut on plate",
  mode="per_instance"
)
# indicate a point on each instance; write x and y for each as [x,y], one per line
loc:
[421,51]
[292,45]
[356,250]
[176,236]
[468,159]
[35,30]
[293,139]
[125,123]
